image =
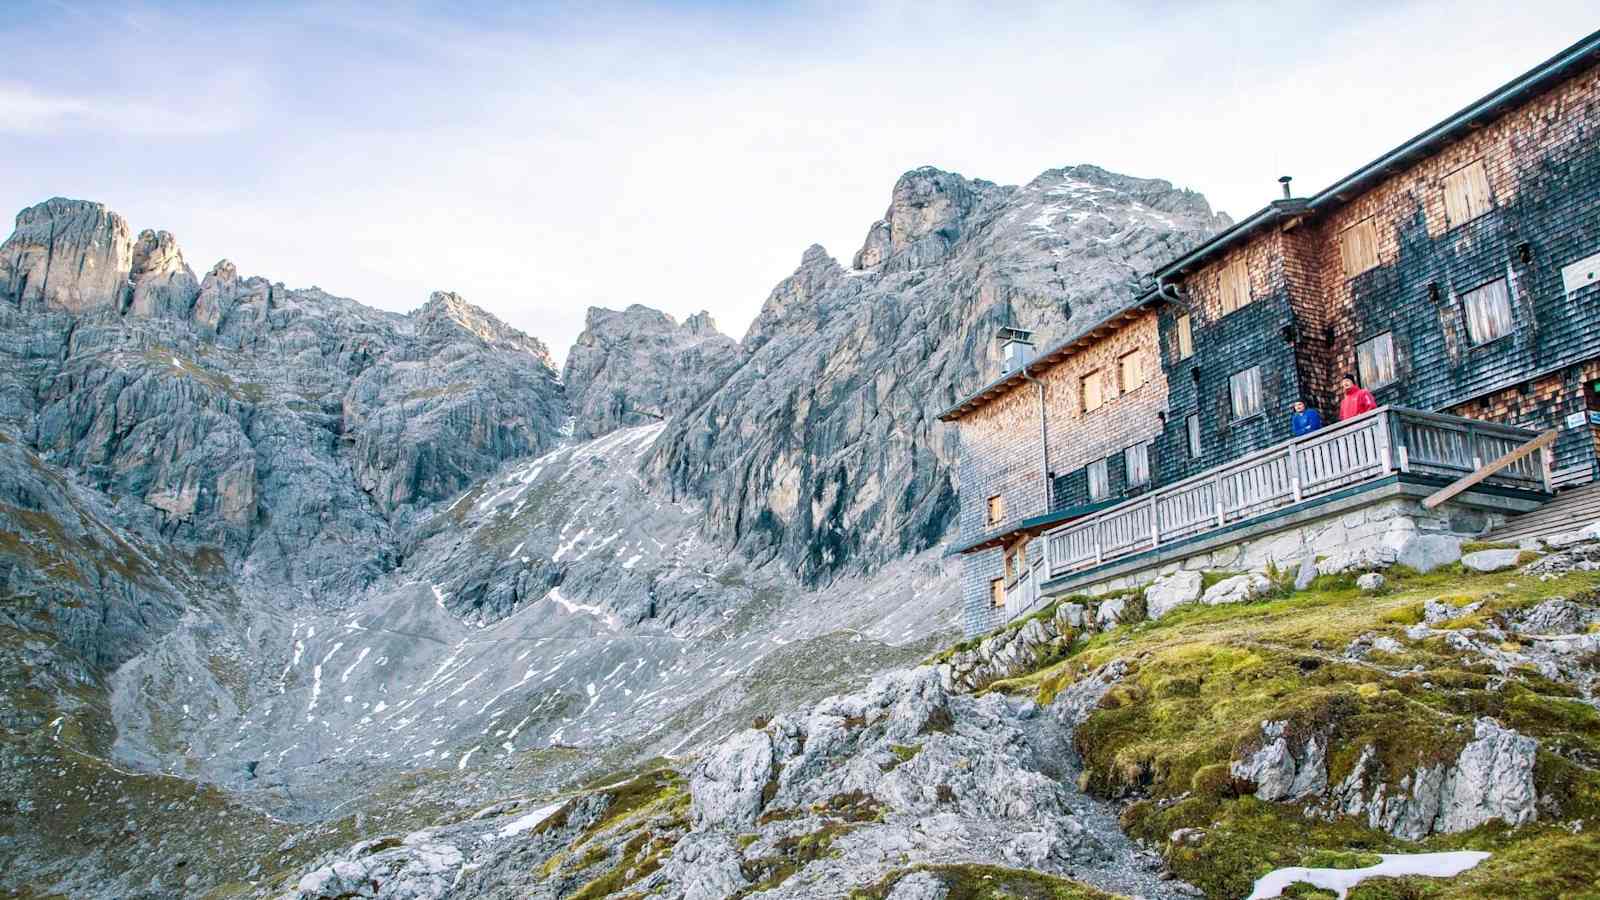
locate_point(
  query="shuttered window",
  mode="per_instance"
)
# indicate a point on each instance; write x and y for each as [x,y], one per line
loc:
[1185,337]
[997,509]
[1137,459]
[997,593]
[1132,366]
[1358,247]
[1375,360]
[1094,391]
[1245,388]
[1488,311]
[1466,194]
[1192,425]
[1099,483]
[1234,285]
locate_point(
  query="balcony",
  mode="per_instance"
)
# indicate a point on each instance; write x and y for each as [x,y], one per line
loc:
[1427,448]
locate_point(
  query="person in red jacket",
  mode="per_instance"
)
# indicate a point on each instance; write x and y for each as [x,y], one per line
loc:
[1356,400]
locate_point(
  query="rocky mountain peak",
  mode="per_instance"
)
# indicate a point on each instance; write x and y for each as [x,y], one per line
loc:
[66,255]
[447,315]
[163,284]
[927,213]
[639,366]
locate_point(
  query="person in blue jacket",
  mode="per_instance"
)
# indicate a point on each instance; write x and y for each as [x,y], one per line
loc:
[1305,419]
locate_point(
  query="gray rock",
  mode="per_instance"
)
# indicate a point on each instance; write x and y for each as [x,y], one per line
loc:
[1282,772]
[1307,571]
[639,367]
[1172,591]
[68,256]
[1110,611]
[1483,561]
[919,886]
[1238,589]
[1371,583]
[1351,560]
[1554,616]
[1426,552]
[727,784]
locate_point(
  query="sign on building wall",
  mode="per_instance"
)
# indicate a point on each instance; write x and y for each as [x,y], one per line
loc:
[1580,274]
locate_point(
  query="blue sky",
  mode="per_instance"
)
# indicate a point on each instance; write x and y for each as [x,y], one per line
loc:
[545,158]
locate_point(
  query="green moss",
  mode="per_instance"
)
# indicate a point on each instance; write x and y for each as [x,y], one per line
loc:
[1476,546]
[902,754]
[1339,859]
[790,855]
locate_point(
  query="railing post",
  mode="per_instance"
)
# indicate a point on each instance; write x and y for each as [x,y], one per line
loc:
[1155,525]
[1547,463]
[1385,443]
[1216,498]
[1294,469]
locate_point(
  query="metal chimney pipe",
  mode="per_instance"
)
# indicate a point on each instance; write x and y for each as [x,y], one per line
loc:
[1284,180]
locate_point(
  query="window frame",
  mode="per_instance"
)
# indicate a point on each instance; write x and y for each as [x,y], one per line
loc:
[1370,379]
[1143,449]
[1193,436]
[1104,469]
[1099,377]
[1466,298]
[1233,393]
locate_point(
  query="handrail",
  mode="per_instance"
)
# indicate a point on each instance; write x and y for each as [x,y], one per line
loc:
[1364,447]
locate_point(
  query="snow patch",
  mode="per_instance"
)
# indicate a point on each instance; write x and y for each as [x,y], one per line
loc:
[1394,865]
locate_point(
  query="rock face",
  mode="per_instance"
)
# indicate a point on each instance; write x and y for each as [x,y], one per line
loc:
[1172,591]
[1490,779]
[1283,769]
[640,367]
[67,256]
[821,449]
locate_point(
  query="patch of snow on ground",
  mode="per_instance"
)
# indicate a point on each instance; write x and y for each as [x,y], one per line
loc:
[1394,865]
[523,823]
[610,620]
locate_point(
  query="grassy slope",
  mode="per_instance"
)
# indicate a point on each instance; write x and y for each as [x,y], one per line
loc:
[1204,679]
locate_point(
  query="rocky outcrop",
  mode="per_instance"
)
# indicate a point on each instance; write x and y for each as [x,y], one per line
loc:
[728,784]
[821,449]
[163,285]
[1283,768]
[1490,779]
[68,256]
[640,367]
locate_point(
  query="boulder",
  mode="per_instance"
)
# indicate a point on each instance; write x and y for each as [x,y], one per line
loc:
[1484,561]
[1281,771]
[1491,779]
[726,786]
[1110,612]
[1171,591]
[1238,589]
[919,886]
[1371,583]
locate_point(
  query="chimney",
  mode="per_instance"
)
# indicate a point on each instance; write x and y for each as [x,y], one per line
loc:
[1016,346]
[1284,180]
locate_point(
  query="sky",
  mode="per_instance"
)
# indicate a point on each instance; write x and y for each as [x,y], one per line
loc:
[540,159]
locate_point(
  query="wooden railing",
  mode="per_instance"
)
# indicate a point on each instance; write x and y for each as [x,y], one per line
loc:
[1371,446]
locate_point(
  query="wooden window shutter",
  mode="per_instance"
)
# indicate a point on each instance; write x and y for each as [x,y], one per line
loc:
[1466,194]
[1132,371]
[1094,394]
[1358,247]
[997,593]
[1234,285]
[1185,336]
[997,509]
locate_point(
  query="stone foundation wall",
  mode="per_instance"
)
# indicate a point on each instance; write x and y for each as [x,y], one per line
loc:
[1393,530]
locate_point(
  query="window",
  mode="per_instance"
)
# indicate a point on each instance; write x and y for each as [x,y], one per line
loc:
[1094,391]
[1192,424]
[1358,247]
[1245,388]
[1234,285]
[1185,337]
[1466,194]
[997,510]
[1016,561]
[1132,367]
[1137,459]
[1375,360]
[1099,484]
[997,593]
[1488,310]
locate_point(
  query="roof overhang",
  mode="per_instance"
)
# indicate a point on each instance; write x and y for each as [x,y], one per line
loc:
[1032,527]
[1049,358]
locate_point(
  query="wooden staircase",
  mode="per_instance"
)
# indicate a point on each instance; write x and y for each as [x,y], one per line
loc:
[1570,510]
